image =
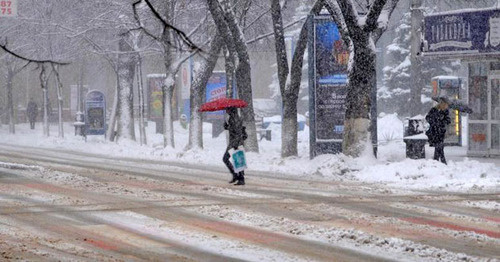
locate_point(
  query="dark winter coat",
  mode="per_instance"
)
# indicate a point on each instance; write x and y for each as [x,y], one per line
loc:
[32,111]
[438,120]
[237,132]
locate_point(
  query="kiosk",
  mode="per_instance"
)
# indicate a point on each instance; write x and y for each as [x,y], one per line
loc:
[473,36]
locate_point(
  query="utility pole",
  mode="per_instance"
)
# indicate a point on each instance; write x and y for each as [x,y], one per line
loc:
[416,81]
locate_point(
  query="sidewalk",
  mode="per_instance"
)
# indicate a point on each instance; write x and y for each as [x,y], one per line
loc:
[457,153]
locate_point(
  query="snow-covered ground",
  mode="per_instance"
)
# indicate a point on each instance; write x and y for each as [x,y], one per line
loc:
[391,167]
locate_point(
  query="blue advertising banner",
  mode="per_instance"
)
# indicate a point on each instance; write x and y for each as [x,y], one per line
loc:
[216,88]
[462,32]
[95,113]
[328,86]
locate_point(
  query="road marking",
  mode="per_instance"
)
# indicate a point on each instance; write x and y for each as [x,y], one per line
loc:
[424,221]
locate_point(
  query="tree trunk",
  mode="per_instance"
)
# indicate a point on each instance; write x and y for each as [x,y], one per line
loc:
[358,101]
[290,91]
[126,70]
[59,101]
[416,79]
[243,81]
[289,113]
[230,67]
[110,133]
[142,129]
[198,89]
[168,127]
[44,82]
[10,102]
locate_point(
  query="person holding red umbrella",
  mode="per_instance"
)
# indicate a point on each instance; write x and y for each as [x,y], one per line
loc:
[237,136]
[237,133]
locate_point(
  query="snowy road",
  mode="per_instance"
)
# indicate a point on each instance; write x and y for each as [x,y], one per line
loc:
[63,205]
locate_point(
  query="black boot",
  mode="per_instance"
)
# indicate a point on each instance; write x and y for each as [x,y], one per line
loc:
[241,179]
[235,178]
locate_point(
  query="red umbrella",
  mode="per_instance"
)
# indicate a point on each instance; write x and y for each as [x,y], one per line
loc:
[222,104]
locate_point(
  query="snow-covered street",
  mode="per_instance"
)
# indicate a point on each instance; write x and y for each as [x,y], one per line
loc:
[60,201]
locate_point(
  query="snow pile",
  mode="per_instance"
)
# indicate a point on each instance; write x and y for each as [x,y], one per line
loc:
[389,128]
[421,174]
[20,166]
[391,167]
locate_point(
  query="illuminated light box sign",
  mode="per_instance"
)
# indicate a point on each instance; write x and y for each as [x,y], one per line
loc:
[462,32]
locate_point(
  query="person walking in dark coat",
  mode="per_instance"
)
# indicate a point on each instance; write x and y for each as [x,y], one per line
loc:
[32,112]
[237,136]
[438,118]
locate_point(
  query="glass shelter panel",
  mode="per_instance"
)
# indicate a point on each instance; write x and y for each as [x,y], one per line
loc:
[495,136]
[478,97]
[495,99]
[478,137]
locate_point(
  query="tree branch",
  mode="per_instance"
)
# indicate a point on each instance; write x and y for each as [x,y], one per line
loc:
[348,12]
[385,15]
[373,15]
[31,60]
[185,39]
[251,41]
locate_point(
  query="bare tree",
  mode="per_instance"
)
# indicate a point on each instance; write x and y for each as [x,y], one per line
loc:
[176,47]
[198,89]
[363,31]
[13,67]
[290,86]
[229,29]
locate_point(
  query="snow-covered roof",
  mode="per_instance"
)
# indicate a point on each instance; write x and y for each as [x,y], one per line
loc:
[461,11]
[446,77]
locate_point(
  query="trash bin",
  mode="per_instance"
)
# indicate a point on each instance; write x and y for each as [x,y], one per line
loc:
[415,146]
[414,138]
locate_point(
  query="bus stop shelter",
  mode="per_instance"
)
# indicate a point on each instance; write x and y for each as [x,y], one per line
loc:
[473,36]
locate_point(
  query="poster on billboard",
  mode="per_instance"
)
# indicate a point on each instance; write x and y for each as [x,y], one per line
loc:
[216,88]
[184,84]
[95,113]
[327,85]
[462,32]
[155,104]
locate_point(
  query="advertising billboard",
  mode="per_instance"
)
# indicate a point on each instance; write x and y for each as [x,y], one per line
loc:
[155,93]
[462,32]
[95,113]
[328,72]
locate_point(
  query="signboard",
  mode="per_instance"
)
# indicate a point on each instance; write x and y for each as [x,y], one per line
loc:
[95,113]
[185,79]
[327,86]
[216,88]
[155,100]
[155,93]
[185,87]
[462,32]
[8,8]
